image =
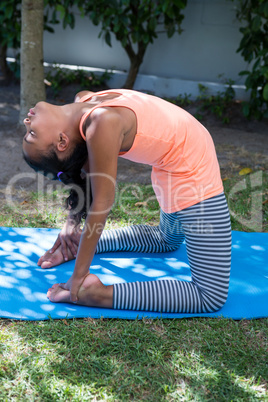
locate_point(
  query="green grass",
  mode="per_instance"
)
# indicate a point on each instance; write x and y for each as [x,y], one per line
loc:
[198,359]
[248,201]
[151,360]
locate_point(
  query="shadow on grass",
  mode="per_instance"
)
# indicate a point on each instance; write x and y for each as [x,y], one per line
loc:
[200,359]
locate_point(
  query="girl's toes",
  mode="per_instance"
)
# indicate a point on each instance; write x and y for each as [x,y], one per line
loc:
[46,264]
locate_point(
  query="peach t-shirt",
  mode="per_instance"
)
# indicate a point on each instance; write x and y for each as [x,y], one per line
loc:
[179,148]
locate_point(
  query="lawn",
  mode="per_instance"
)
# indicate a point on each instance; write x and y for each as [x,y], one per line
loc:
[200,359]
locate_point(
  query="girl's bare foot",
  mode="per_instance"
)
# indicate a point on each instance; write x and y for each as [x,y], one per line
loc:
[92,293]
[49,260]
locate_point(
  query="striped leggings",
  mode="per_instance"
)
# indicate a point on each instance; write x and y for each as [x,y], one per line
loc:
[207,232]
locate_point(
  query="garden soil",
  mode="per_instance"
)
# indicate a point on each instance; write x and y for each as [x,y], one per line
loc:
[239,144]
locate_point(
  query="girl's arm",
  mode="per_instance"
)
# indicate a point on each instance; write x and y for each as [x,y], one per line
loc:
[104,138]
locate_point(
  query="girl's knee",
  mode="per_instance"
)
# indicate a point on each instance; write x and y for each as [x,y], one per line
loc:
[215,303]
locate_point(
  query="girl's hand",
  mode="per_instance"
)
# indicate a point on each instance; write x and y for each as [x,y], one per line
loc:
[68,238]
[73,284]
[49,260]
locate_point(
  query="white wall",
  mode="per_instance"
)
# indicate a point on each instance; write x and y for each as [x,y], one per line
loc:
[205,49]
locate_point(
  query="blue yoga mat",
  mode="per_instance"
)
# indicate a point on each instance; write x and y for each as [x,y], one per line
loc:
[23,285]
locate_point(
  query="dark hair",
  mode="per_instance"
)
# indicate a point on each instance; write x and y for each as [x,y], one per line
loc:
[50,165]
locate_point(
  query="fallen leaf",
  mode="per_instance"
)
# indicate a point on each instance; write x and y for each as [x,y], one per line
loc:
[245,171]
[141,204]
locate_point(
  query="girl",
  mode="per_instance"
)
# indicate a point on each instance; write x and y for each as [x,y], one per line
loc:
[82,141]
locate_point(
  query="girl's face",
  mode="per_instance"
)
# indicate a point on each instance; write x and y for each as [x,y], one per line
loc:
[42,129]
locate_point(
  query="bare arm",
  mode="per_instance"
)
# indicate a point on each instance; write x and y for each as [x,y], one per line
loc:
[104,139]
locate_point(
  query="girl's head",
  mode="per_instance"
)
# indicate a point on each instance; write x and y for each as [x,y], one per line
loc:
[51,146]
[46,130]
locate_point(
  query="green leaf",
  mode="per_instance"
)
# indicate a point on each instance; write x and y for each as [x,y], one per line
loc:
[61,10]
[9,11]
[152,23]
[256,24]
[72,21]
[244,72]
[48,29]
[178,3]
[108,38]
[146,39]
[264,71]
[265,92]
[246,109]
[265,10]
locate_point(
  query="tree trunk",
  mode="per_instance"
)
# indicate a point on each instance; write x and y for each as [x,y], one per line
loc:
[136,60]
[32,88]
[132,74]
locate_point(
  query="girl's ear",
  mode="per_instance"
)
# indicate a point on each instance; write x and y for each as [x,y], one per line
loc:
[63,142]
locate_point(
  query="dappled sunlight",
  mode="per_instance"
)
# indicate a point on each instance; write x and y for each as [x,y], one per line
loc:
[29,247]
[27,293]
[24,284]
[203,368]
[19,257]
[106,275]
[47,307]
[89,360]
[50,277]
[23,273]
[142,267]
[7,282]
[7,246]
[150,273]
[20,249]
[33,314]
[258,248]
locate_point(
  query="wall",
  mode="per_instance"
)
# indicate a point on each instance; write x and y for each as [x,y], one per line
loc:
[206,49]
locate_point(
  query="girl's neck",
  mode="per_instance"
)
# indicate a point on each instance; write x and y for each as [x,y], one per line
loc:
[72,114]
